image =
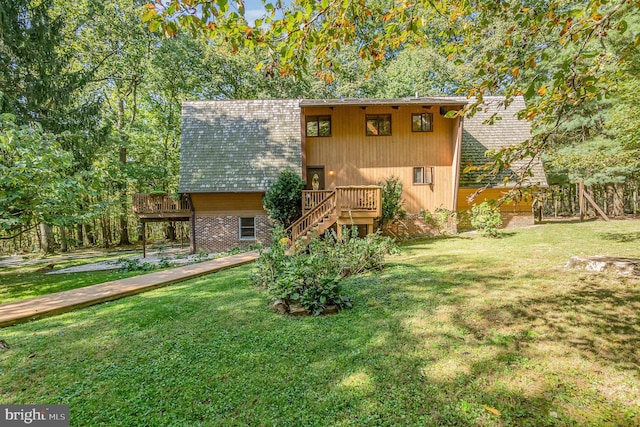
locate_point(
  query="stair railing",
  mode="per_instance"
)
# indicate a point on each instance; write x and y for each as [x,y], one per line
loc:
[312,218]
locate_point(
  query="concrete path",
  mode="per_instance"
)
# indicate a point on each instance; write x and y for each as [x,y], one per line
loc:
[48,305]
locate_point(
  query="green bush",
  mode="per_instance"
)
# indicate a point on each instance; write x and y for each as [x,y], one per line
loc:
[440,219]
[283,200]
[392,203]
[485,218]
[134,264]
[313,278]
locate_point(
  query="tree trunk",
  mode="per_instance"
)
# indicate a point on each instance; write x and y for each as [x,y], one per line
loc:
[106,232]
[79,235]
[170,231]
[46,238]
[608,199]
[64,244]
[91,236]
[617,200]
[124,225]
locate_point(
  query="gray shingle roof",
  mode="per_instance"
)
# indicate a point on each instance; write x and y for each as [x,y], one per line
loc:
[478,137]
[238,146]
[241,146]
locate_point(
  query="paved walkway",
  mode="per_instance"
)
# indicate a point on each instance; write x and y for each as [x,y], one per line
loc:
[48,305]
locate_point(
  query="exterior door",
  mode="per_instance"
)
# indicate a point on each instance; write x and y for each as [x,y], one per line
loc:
[315,178]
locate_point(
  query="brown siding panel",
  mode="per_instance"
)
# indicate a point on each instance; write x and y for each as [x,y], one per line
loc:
[358,159]
[245,204]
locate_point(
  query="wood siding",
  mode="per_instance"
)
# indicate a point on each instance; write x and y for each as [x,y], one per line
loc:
[221,204]
[523,206]
[350,157]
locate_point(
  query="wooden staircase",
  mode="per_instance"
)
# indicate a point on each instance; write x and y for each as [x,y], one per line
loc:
[346,205]
[314,222]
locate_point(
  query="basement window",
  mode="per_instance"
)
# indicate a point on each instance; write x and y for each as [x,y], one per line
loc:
[247,228]
[319,126]
[379,125]
[422,122]
[423,175]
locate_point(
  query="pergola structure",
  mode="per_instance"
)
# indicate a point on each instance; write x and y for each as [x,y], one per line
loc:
[161,208]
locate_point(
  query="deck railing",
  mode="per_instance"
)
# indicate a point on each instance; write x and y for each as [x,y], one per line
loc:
[144,204]
[313,217]
[312,198]
[359,198]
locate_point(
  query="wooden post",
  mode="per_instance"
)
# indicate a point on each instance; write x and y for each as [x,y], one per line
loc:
[635,202]
[581,199]
[144,239]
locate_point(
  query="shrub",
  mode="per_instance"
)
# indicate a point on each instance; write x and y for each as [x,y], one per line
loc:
[134,264]
[440,219]
[392,202]
[485,218]
[283,200]
[313,278]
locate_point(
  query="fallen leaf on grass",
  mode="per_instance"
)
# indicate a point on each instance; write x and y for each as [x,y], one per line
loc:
[492,410]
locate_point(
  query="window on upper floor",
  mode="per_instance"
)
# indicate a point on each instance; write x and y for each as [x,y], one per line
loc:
[423,175]
[247,228]
[422,122]
[379,125]
[319,126]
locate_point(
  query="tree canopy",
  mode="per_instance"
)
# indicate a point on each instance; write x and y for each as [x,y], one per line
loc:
[560,55]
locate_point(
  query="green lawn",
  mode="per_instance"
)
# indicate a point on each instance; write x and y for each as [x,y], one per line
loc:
[21,282]
[452,332]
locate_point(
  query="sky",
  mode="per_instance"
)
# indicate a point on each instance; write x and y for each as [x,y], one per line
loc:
[254,9]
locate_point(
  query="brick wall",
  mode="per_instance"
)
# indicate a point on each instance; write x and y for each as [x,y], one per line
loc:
[221,233]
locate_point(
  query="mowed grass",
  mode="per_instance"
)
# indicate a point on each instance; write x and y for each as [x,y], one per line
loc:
[28,281]
[461,331]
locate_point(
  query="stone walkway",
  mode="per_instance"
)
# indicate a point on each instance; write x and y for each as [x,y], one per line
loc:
[48,305]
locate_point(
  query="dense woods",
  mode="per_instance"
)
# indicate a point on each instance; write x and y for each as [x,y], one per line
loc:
[91,92]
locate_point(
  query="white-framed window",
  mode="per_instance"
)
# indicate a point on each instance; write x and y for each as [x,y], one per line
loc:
[247,229]
[422,175]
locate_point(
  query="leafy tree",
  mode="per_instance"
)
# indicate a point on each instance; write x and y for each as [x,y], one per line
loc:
[283,200]
[36,186]
[557,54]
[485,218]
[392,202]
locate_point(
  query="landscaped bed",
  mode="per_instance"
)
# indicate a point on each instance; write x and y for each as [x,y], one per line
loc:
[459,331]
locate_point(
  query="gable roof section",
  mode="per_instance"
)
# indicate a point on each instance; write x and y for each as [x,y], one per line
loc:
[478,137]
[238,146]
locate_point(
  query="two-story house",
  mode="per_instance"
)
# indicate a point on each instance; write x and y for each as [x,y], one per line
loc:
[233,150]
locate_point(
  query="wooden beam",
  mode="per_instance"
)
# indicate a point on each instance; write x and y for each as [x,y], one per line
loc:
[595,206]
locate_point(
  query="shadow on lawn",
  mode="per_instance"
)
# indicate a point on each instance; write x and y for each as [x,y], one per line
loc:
[620,237]
[421,346]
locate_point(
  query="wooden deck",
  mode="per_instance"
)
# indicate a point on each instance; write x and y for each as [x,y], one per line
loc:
[161,207]
[49,305]
[346,205]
